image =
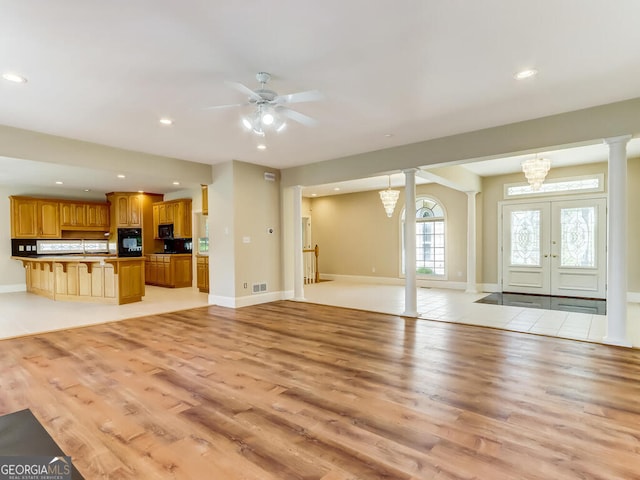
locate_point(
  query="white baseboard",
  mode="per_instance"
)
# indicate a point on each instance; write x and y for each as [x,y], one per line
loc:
[633,297]
[18,287]
[288,294]
[237,302]
[247,300]
[421,282]
[363,279]
[489,287]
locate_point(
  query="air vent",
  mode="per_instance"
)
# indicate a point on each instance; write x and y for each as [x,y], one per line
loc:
[258,288]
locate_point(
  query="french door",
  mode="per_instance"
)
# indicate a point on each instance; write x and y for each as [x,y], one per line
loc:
[555,248]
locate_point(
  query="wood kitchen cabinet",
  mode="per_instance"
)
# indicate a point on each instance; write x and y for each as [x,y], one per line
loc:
[126,209]
[134,210]
[84,216]
[72,215]
[172,271]
[34,218]
[205,199]
[202,264]
[175,212]
[97,216]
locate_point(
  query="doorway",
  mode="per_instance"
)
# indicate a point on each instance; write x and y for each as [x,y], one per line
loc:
[555,248]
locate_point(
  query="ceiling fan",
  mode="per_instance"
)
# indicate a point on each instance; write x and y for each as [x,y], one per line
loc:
[271,110]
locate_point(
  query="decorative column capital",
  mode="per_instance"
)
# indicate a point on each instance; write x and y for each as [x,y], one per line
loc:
[619,139]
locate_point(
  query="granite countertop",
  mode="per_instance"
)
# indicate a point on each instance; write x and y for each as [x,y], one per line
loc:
[79,258]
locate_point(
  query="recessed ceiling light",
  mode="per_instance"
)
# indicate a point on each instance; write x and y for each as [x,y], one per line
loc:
[176,183]
[140,191]
[58,182]
[314,194]
[521,75]
[166,121]
[388,135]
[262,147]
[14,77]
[121,176]
[336,189]
[87,190]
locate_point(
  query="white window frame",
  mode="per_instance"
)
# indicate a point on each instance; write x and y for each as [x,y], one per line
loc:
[432,276]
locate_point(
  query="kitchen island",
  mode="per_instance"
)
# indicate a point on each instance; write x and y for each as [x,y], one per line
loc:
[90,278]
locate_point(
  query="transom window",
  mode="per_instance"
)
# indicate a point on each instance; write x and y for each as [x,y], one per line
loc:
[430,237]
[583,184]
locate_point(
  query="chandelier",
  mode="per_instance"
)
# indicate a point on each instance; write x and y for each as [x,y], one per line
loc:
[263,119]
[536,169]
[389,198]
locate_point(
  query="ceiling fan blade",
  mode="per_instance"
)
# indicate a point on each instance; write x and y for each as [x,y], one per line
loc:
[216,107]
[308,96]
[298,117]
[244,89]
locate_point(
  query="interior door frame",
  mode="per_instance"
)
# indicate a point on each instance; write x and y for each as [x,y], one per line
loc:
[543,198]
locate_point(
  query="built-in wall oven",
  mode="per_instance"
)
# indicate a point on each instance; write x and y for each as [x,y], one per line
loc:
[129,242]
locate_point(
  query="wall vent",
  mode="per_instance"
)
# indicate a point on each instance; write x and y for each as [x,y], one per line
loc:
[258,288]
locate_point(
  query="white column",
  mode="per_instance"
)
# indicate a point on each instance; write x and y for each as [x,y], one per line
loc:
[472,287]
[410,288]
[298,275]
[617,243]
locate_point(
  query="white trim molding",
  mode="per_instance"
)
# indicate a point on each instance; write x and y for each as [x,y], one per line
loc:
[17,287]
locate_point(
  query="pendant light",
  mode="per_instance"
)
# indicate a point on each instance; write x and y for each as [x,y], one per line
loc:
[389,198]
[536,169]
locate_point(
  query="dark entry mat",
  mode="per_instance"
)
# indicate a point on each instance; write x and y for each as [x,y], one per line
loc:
[22,434]
[564,304]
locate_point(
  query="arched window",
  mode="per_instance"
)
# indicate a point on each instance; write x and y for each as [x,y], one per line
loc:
[430,239]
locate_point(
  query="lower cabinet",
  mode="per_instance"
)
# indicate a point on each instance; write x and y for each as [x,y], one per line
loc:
[168,270]
[203,273]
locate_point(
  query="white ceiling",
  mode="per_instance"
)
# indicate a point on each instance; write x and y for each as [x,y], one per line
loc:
[105,72]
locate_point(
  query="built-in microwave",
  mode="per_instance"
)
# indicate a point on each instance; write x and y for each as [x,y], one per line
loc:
[165,231]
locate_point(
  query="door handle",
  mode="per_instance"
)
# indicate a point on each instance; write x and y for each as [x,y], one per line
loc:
[546,256]
[554,256]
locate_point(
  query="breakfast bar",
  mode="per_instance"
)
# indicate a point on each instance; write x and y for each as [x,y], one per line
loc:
[99,279]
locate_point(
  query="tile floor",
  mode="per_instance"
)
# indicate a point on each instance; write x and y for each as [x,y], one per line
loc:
[456,306]
[24,314]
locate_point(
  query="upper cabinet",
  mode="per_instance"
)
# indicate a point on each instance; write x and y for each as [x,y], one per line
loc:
[34,218]
[84,216]
[126,209]
[176,213]
[97,215]
[50,218]
[205,199]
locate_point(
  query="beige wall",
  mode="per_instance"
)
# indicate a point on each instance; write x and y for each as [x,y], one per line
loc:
[242,205]
[356,237]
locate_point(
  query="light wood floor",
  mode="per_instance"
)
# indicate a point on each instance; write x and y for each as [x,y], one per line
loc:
[292,390]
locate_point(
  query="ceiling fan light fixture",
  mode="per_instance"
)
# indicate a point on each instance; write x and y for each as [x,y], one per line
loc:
[268,118]
[247,123]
